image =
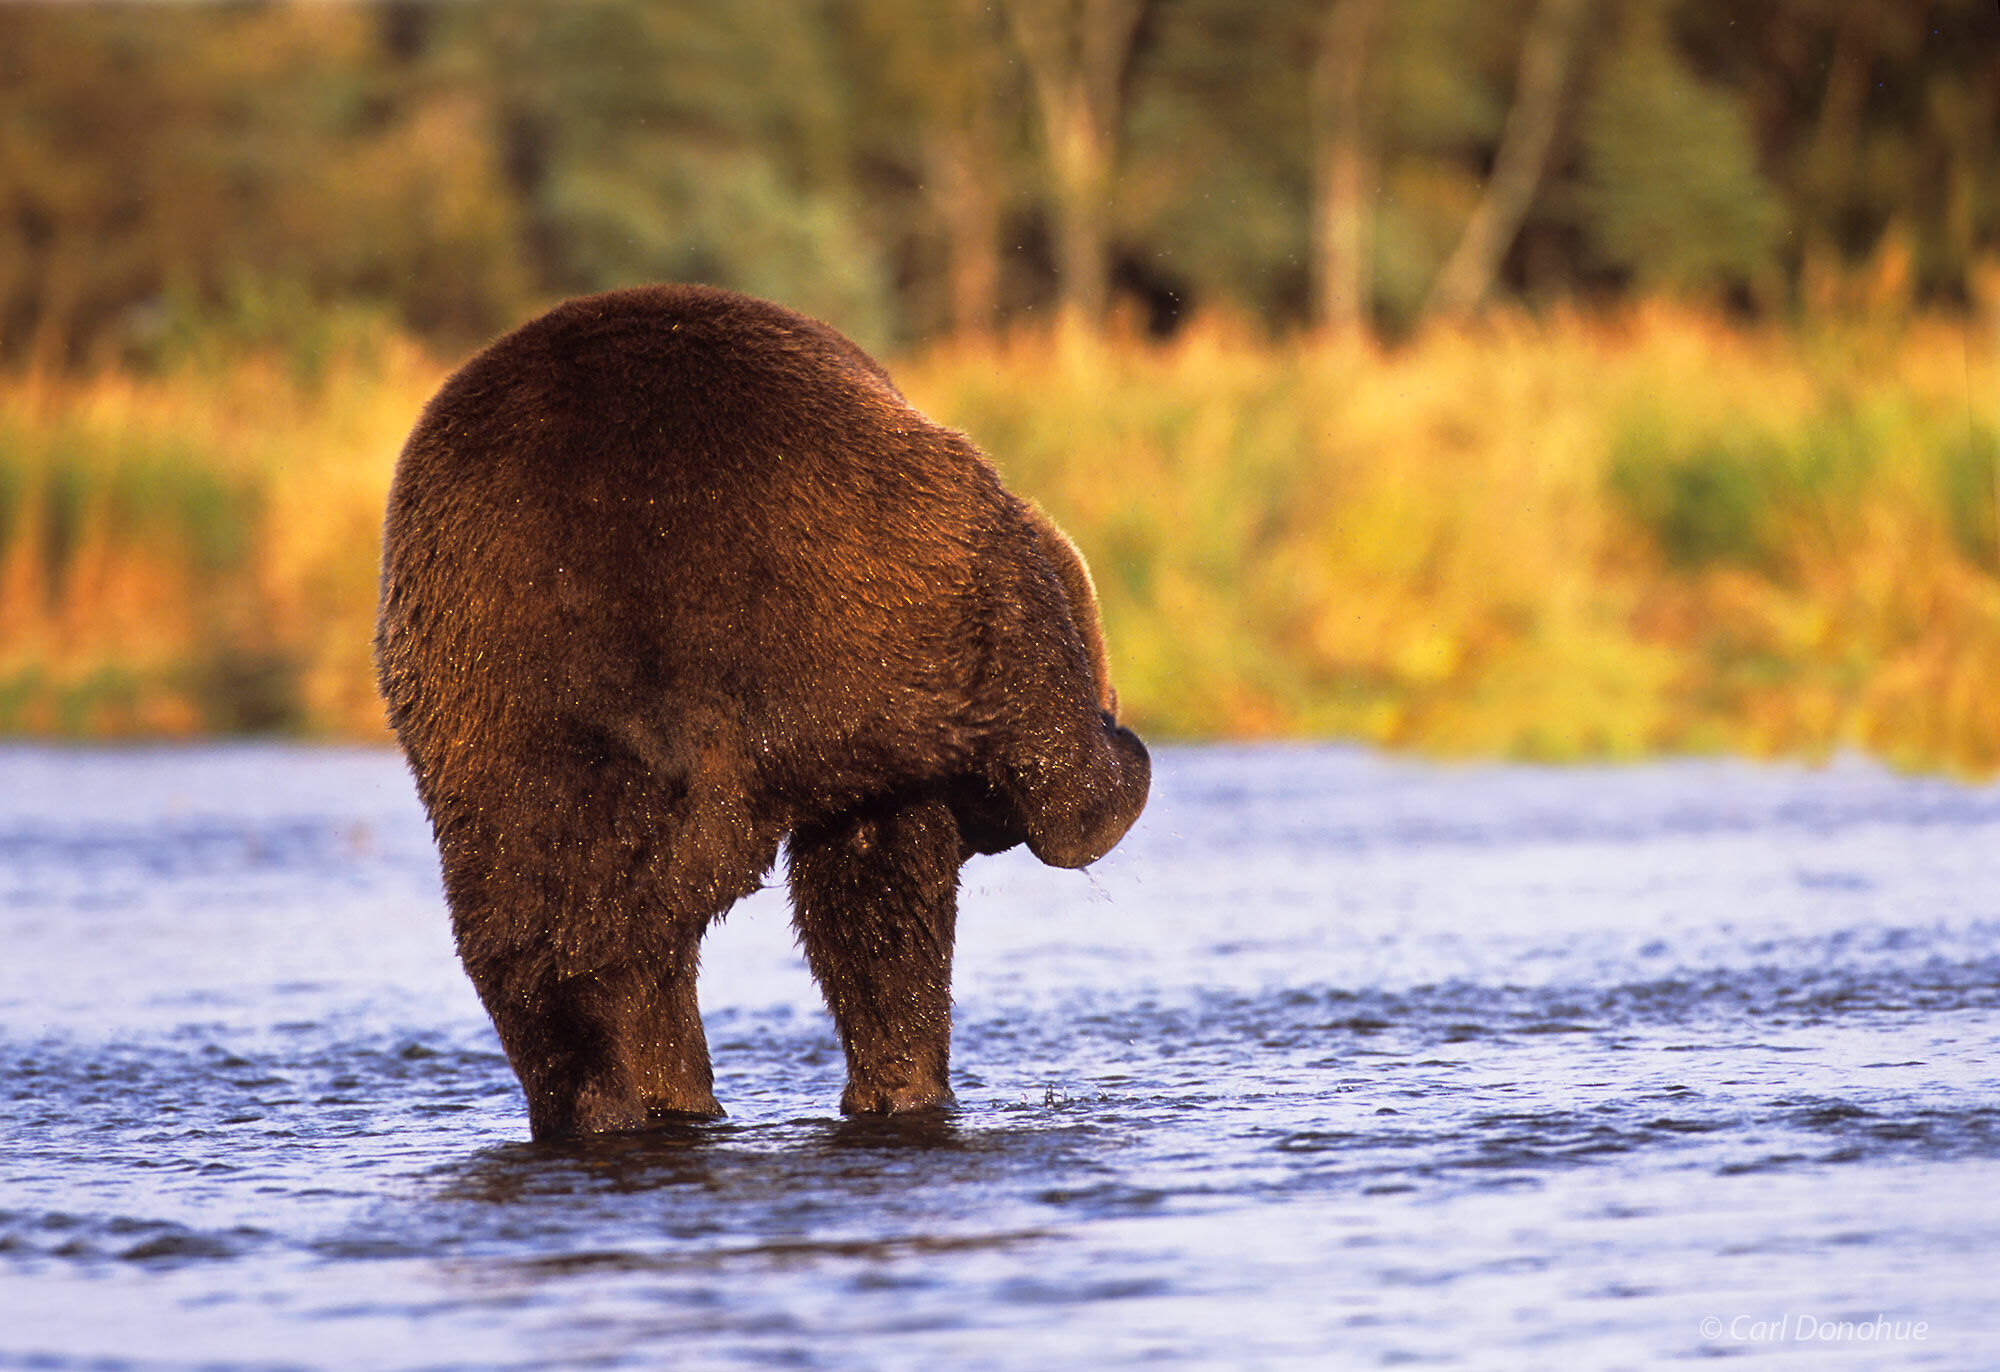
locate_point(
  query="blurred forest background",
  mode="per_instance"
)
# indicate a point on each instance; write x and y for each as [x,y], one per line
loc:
[1539,378]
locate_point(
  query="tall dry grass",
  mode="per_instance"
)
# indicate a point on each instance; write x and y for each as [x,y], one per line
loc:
[1573,538]
[1577,537]
[197,553]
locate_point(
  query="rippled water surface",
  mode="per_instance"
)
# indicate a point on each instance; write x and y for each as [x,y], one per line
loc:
[1338,1061]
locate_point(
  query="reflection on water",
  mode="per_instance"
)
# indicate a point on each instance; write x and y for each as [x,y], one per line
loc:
[1338,1061]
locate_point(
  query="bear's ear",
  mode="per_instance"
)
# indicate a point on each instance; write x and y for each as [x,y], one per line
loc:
[1067,560]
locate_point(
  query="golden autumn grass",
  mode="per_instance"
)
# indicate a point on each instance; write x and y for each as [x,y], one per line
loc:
[1566,538]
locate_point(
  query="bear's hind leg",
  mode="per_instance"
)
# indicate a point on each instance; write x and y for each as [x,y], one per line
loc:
[670,1051]
[617,1047]
[875,899]
[580,927]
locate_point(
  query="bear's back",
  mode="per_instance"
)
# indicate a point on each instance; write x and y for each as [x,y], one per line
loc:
[690,508]
[655,383]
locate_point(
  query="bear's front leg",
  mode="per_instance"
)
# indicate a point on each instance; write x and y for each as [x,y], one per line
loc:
[875,899]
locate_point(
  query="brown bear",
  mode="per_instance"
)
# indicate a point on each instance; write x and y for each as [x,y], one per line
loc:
[670,577]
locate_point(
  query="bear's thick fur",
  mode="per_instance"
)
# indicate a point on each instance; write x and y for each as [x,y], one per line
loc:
[672,576]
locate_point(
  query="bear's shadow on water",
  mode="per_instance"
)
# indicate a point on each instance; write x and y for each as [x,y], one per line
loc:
[717,1157]
[727,1191]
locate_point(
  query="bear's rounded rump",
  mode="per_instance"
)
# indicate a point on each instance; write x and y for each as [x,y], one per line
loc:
[672,576]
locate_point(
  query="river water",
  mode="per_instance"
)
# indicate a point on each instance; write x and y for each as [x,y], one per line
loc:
[1338,1061]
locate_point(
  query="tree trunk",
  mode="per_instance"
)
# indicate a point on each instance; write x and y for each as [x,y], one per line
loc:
[1836,133]
[965,193]
[1345,163]
[1830,163]
[1076,51]
[1467,276]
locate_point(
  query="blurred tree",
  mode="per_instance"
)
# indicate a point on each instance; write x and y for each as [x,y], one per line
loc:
[1345,163]
[1671,192]
[1077,53]
[672,139]
[1518,163]
[1214,186]
[1240,175]
[159,162]
[937,115]
[1448,68]
[271,172]
[1875,124]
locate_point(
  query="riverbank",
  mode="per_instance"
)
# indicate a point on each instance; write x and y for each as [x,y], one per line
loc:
[1563,538]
